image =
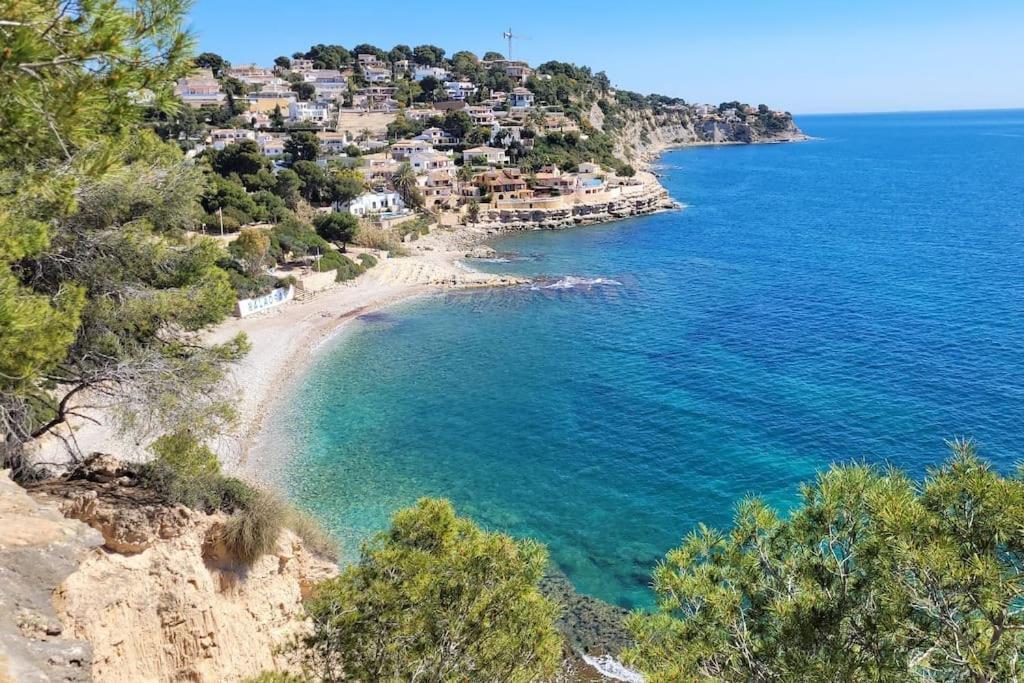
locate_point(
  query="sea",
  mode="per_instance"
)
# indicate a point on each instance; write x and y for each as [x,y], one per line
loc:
[855,298]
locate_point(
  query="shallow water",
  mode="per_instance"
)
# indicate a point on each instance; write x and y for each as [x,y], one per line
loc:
[859,296]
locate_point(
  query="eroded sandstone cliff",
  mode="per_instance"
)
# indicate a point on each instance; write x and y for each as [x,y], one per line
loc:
[159,599]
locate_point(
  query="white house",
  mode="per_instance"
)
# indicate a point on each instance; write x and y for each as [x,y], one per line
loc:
[330,90]
[374,74]
[419,72]
[403,149]
[317,112]
[425,162]
[200,88]
[270,145]
[459,90]
[222,137]
[492,155]
[333,143]
[437,137]
[370,203]
[481,116]
[521,98]
[506,132]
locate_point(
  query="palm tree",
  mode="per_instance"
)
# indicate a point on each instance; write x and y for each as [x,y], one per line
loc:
[404,182]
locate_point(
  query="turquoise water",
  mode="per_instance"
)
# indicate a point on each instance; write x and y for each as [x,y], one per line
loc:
[859,296]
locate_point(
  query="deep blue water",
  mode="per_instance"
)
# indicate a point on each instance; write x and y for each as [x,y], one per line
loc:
[855,297]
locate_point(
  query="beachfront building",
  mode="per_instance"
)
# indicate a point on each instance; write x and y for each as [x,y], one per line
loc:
[437,187]
[521,98]
[222,137]
[503,184]
[551,180]
[200,89]
[374,203]
[494,156]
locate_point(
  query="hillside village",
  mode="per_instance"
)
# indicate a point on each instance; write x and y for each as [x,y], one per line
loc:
[377,147]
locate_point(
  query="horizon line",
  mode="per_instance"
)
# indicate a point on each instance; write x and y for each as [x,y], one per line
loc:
[906,111]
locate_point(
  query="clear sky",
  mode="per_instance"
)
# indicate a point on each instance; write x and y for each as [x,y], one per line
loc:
[807,57]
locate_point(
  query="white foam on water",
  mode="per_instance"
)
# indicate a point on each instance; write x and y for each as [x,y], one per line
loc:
[571,282]
[609,667]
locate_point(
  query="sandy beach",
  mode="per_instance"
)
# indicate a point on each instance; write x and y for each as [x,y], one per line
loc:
[285,338]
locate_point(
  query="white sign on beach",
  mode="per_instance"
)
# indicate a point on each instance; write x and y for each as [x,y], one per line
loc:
[267,301]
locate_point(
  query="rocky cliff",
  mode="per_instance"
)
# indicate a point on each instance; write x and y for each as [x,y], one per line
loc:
[642,133]
[158,599]
[39,548]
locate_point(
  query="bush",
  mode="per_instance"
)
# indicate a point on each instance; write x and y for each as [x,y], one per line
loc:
[378,238]
[275,677]
[212,223]
[346,268]
[252,531]
[436,598]
[368,260]
[188,457]
[313,535]
[875,576]
[186,472]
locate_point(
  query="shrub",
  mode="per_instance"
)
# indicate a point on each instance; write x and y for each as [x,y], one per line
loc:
[875,576]
[379,238]
[316,539]
[275,677]
[436,598]
[346,268]
[187,473]
[253,529]
[212,223]
[186,455]
[368,260]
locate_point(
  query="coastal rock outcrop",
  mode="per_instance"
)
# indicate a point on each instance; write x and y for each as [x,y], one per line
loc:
[650,197]
[159,601]
[642,134]
[39,548]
